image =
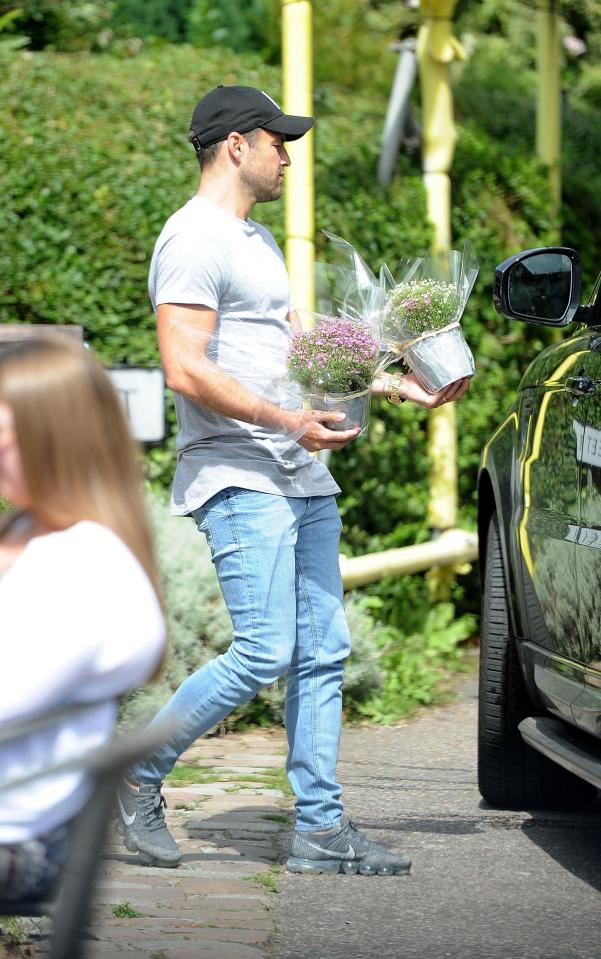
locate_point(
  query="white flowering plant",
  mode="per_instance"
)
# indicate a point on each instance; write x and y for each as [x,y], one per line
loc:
[421,315]
[420,306]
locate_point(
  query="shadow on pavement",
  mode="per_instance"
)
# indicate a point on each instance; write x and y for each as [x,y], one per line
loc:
[573,842]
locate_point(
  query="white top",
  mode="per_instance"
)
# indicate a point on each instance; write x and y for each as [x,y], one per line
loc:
[206,256]
[79,623]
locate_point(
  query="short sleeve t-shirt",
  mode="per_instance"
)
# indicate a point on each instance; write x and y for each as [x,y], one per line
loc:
[80,624]
[207,257]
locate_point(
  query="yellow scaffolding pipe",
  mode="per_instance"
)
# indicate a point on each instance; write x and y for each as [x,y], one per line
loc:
[297,64]
[548,114]
[436,49]
[453,548]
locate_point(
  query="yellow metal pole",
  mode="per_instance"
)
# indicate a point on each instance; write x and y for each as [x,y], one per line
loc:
[297,65]
[548,114]
[436,49]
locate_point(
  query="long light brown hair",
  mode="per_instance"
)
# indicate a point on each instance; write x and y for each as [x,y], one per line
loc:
[78,457]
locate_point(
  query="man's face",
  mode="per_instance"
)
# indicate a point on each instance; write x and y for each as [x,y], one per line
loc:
[262,171]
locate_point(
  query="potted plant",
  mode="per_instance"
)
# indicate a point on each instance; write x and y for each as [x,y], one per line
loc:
[421,315]
[415,317]
[335,362]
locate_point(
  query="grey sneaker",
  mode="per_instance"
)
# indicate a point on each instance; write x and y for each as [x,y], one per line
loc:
[347,851]
[142,822]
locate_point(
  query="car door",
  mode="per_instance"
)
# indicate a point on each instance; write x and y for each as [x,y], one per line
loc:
[587,709]
[548,526]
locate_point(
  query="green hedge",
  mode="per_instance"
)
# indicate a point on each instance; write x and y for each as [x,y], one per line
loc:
[95,153]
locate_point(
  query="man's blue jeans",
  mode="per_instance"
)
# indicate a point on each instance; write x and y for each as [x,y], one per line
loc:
[277,562]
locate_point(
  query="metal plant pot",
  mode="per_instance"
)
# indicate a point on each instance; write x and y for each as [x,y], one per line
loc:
[441,359]
[355,405]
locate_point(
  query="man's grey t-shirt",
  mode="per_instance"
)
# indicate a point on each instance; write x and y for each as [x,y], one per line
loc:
[207,257]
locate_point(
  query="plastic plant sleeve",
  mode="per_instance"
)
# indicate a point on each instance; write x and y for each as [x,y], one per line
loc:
[334,362]
[422,311]
[355,292]
[272,402]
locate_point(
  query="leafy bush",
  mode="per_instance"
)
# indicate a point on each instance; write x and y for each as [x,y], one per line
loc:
[200,627]
[95,157]
[255,26]
[167,19]
[198,623]
[415,662]
[59,24]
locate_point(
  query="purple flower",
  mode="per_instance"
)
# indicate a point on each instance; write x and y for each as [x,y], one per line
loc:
[338,351]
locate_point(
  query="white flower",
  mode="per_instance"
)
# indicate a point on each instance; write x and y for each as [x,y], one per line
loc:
[574,45]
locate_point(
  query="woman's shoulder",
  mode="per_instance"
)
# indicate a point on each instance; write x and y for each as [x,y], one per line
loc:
[86,549]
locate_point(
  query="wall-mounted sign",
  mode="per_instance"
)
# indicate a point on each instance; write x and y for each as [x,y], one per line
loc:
[142,392]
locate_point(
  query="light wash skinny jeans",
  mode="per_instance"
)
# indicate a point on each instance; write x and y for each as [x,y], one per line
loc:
[277,562]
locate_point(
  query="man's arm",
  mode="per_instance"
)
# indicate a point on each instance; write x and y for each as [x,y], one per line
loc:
[184,333]
[295,322]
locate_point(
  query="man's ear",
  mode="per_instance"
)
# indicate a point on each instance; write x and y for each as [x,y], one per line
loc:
[235,146]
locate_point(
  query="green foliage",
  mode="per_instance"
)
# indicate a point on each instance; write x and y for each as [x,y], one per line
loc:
[9,41]
[13,931]
[267,879]
[124,910]
[186,774]
[89,182]
[164,19]
[200,627]
[254,26]
[95,157]
[415,662]
[60,24]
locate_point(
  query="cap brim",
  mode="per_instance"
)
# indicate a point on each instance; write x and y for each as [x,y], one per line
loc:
[291,128]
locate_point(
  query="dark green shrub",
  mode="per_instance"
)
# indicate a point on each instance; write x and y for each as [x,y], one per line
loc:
[60,24]
[96,158]
[167,19]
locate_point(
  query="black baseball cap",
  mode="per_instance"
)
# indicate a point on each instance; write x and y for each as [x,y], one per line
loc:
[240,109]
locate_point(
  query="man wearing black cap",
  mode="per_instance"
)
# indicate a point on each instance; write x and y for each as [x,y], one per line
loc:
[220,289]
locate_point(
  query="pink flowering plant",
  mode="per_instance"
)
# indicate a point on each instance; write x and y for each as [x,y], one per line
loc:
[336,356]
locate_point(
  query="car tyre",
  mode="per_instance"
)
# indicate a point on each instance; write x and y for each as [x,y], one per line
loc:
[511,774]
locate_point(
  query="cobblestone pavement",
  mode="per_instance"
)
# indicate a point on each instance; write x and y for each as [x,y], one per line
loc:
[229,830]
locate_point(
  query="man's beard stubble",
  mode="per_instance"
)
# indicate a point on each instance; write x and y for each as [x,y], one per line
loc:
[260,188]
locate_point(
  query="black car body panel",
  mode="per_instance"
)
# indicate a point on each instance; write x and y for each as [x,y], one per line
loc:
[541,473]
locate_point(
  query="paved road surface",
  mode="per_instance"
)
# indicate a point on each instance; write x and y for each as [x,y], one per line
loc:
[499,885]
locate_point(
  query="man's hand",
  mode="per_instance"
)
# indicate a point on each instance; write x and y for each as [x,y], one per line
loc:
[411,389]
[306,427]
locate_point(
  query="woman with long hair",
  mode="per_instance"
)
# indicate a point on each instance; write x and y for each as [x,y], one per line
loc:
[81,620]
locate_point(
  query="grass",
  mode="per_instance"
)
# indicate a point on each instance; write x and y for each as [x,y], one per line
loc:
[124,910]
[277,817]
[186,774]
[267,879]
[12,931]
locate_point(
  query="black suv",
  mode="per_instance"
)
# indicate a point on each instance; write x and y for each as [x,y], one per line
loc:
[539,522]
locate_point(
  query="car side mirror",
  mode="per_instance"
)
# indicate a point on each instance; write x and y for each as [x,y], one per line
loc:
[539,286]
